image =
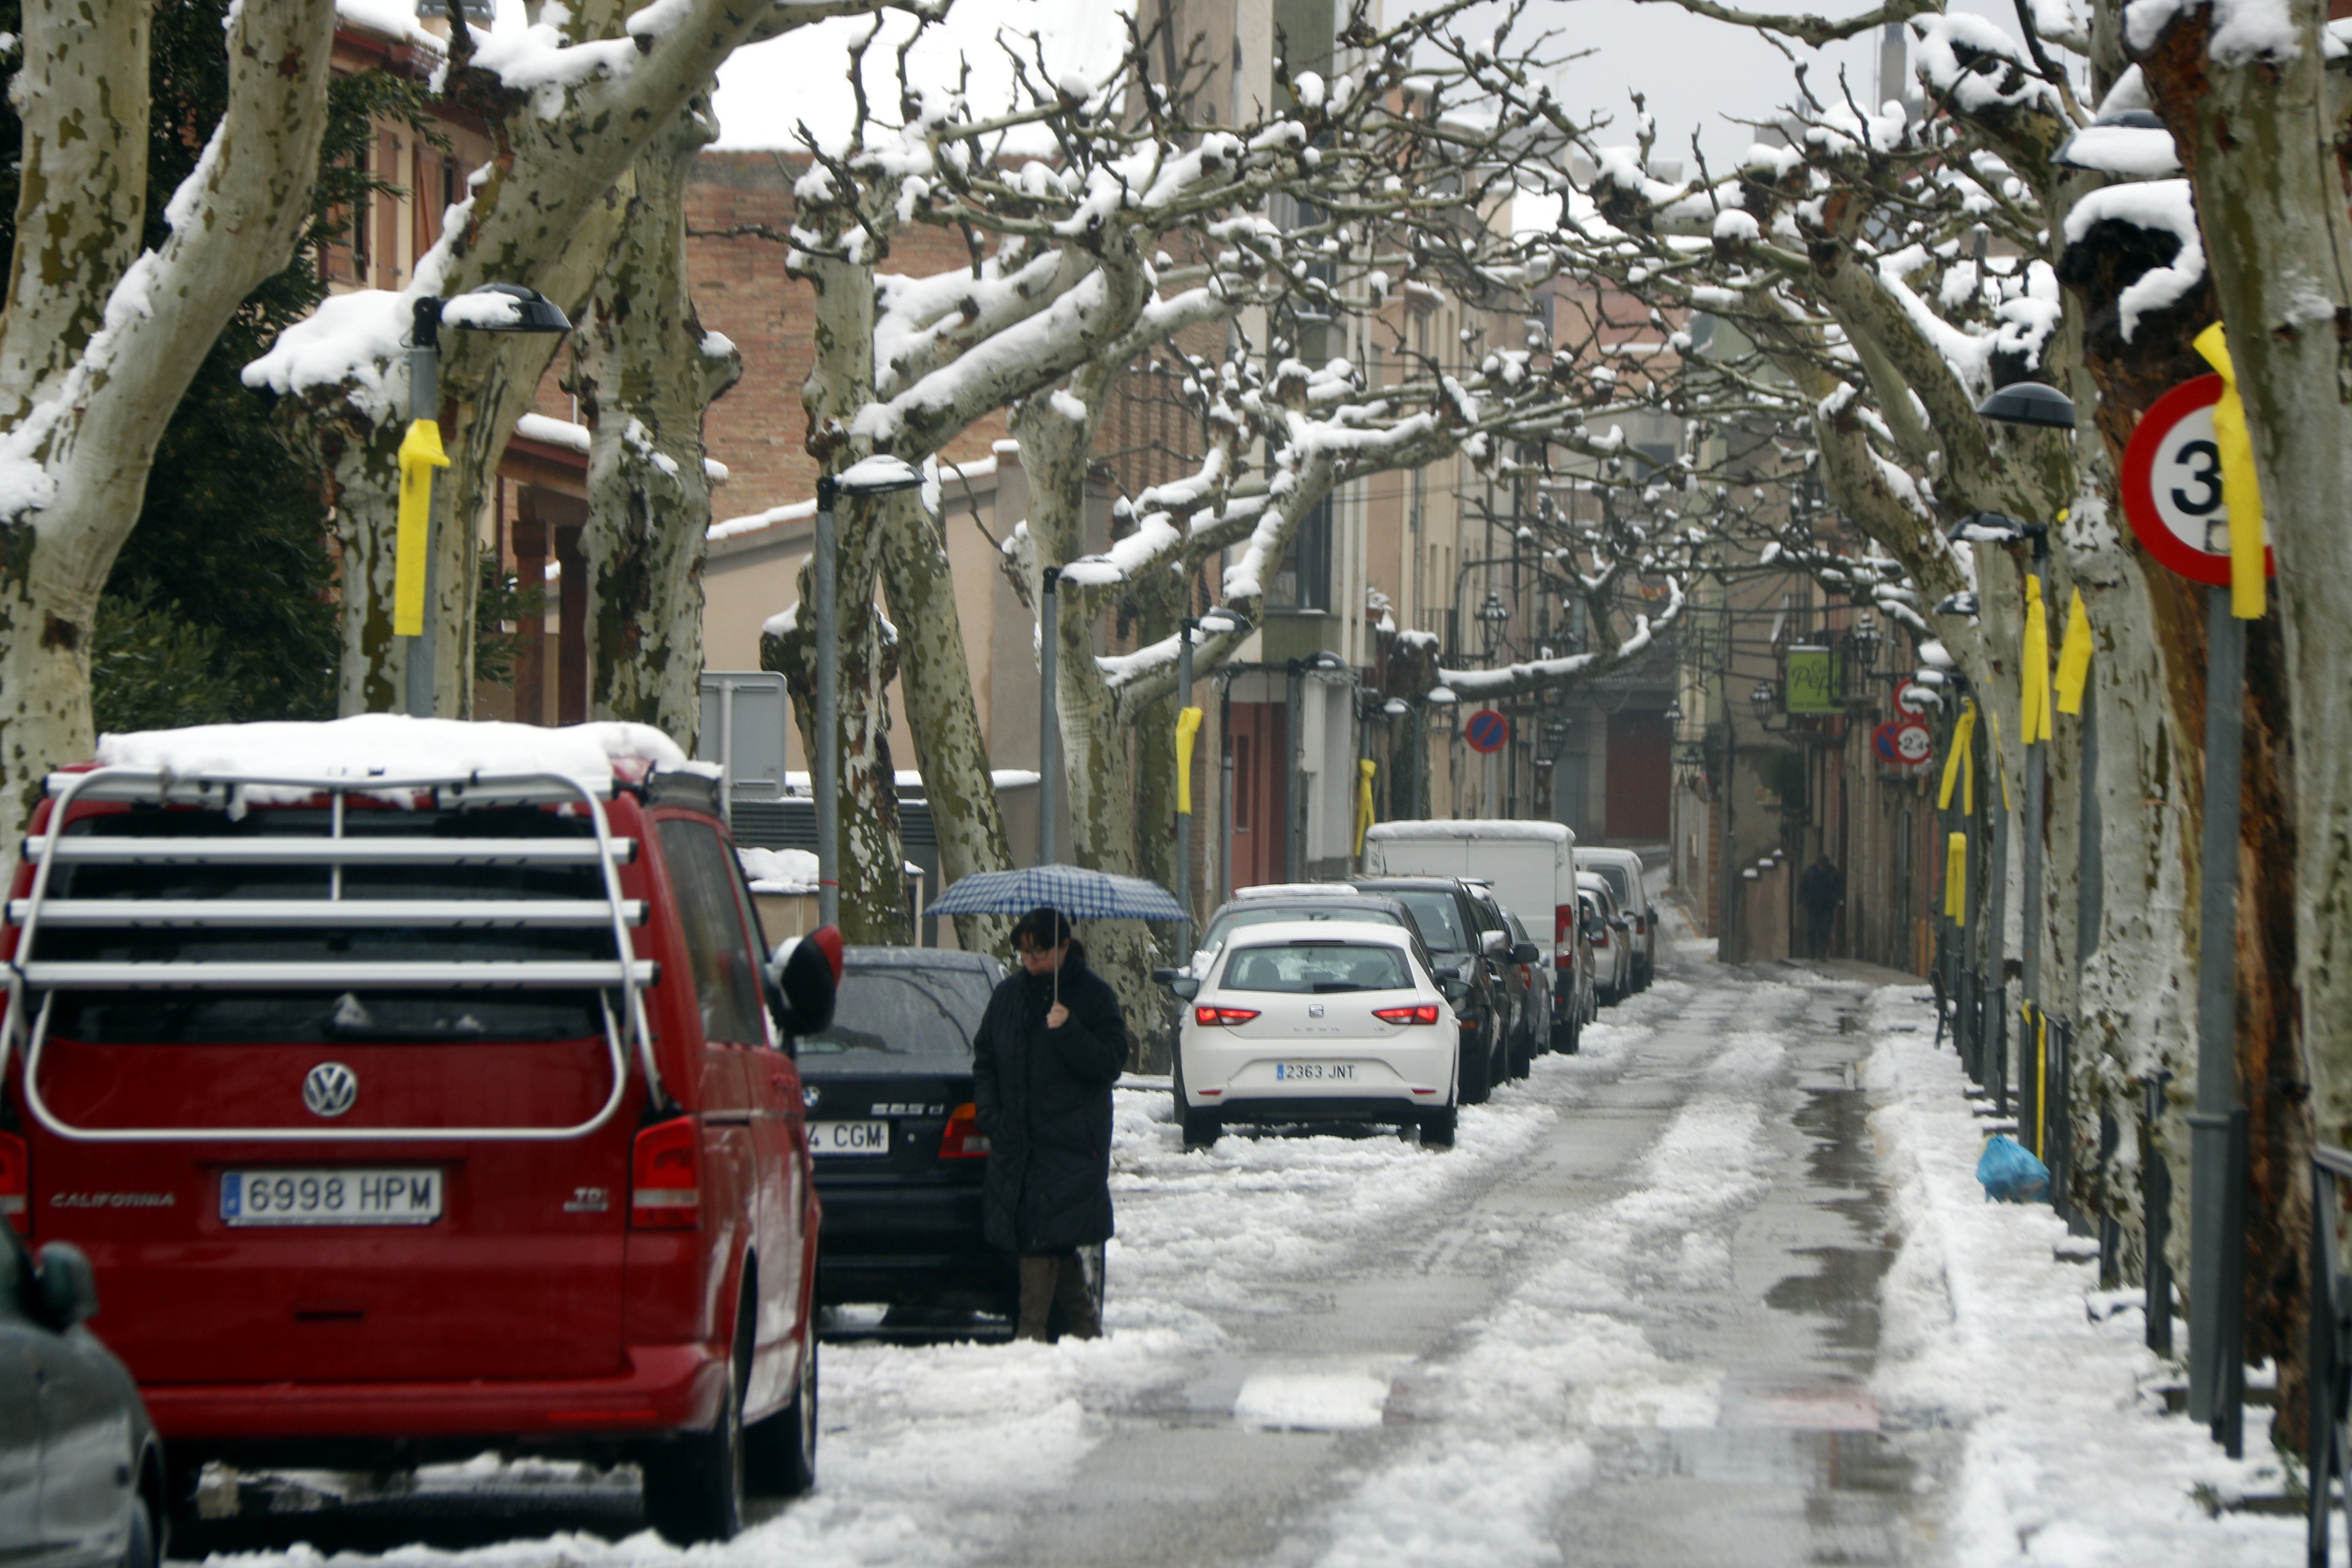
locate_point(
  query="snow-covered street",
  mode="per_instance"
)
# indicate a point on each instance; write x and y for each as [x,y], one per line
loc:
[1720,1290]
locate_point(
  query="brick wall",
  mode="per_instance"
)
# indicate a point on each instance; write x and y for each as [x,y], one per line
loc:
[740,290]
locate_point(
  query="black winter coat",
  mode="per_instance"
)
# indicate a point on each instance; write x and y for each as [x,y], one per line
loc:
[1044,1099]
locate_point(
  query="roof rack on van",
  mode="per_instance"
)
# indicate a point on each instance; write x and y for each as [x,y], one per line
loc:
[32,981]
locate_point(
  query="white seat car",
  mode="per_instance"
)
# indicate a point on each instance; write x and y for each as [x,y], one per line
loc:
[1316,1021]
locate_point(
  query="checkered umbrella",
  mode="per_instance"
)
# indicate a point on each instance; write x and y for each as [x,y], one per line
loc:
[1074,890]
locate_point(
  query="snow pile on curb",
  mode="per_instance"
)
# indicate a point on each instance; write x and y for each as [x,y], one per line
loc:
[2069,1456]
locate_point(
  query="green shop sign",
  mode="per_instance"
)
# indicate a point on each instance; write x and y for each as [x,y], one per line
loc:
[1812,680]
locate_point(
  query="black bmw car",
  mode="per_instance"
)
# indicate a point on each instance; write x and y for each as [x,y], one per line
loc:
[899,1157]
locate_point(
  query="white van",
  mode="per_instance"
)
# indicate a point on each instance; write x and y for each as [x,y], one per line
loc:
[1532,865]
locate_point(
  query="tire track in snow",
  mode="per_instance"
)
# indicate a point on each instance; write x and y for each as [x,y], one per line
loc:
[1564,1355]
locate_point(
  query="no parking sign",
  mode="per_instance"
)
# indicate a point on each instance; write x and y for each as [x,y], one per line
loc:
[1487,731]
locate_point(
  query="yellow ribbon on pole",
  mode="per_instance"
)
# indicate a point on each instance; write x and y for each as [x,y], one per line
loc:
[2033,699]
[420,454]
[1365,767]
[2074,657]
[2041,1022]
[1955,765]
[1955,879]
[2242,491]
[1188,725]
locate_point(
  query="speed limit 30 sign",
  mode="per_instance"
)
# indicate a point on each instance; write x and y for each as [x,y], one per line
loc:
[2172,485]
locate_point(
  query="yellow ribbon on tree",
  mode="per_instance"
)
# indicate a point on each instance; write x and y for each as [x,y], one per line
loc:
[2033,699]
[420,454]
[2074,657]
[2242,491]
[1956,765]
[1364,770]
[1955,879]
[1188,725]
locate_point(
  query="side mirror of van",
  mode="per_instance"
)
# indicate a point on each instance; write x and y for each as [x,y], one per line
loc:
[1493,942]
[806,972]
[66,1287]
[1526,952]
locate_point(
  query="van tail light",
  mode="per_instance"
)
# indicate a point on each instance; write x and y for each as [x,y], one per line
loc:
[1563,934]
[665,1176]
[16,1182]
[963,1140]
[1213,1017]
[1427,1013]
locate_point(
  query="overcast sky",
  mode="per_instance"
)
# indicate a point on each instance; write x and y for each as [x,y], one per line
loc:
[1699,75]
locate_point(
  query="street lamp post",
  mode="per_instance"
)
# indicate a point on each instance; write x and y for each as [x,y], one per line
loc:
[492,307]
[871,476]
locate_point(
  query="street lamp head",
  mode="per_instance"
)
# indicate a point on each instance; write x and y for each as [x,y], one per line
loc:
[504,308]
[1867,639]
[879,475]
[1674,711]
[1764,700]
[2030,403]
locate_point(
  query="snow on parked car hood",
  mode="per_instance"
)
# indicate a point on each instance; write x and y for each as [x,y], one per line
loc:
[395,746]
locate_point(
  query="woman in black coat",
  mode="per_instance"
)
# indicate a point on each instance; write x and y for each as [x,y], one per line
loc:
[1050,1046]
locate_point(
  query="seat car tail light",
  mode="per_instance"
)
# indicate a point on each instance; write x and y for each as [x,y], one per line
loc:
[1212,1017]
[1563,934]
[963,1140]
[1425,1013]
[16,1182]
[665,1176]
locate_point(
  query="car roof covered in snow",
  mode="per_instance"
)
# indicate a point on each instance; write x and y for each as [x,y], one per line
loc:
[1281,933]
[1295,890]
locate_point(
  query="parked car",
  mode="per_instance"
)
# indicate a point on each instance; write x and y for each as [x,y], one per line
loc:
[81,1472]
[1606,930]
[1576,992]
[900,1160]
[1295,900]
[416,1089]
[1622,870]
[1535,1023]
[1469,970]
[1317,1020]
[1517,964]
[1530,865]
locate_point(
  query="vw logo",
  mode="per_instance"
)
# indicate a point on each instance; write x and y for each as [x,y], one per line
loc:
[808,1098]
[1315,1009]
[330,1089]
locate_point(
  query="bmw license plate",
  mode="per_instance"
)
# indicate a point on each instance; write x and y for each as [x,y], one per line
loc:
[1312,1072]
[849,1137]
[330,1195]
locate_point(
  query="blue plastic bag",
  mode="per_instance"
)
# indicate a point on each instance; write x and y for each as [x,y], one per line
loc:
[2008,1173]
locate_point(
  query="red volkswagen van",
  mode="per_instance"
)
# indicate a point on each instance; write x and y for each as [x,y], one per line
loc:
[422,1112]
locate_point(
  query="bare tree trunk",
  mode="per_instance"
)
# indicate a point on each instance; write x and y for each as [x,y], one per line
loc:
[100,342]
[935,680]
[645,372]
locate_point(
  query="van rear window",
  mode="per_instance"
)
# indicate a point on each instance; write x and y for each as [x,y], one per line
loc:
[1615,877]
[317,1016]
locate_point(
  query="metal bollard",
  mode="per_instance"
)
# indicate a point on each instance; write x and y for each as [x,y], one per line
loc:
[2111,1230]
[2330,1355]
[1997,1035]
[2156,1217]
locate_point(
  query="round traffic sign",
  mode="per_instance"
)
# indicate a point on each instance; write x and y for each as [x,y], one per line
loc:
[1487,731]
[2172,485]
[1913,698]
[1905,742]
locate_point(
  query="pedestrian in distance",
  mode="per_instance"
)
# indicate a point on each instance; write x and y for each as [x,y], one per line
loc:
[1820,891]
[1050,1046]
